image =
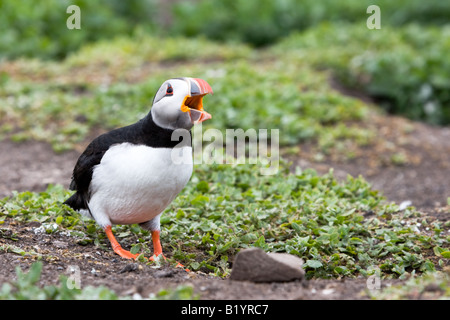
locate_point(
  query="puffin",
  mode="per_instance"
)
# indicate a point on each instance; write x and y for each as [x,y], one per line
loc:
[131,174]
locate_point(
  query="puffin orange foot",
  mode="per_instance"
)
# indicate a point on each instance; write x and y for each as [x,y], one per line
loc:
[125,254]
[157,257]
[157,249]
[116,246]
[179,265]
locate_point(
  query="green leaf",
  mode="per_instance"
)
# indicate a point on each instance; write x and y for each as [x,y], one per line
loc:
[30,278]
[261,243]
[313,264]
[200,200]
[428,266]
[180,214]
[195,265]
[226,246]
[59,219]
[136,248]
[356,240]
[202,186]
[165,219]
[296,227]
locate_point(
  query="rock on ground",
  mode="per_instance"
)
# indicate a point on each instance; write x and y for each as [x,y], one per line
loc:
[257,266]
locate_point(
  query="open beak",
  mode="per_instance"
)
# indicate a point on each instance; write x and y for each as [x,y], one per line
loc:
[193,103]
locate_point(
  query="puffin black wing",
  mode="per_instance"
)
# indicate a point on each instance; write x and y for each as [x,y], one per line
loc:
[84,168]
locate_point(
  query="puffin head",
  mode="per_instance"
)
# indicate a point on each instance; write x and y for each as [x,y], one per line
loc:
[178,104]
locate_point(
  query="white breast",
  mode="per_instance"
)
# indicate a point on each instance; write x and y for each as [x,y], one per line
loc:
[135,183]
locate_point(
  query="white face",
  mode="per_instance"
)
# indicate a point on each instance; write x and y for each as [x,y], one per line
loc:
[178,104]
[166,109]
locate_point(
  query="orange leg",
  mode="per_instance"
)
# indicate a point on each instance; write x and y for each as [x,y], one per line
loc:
[116,246]
[157,249]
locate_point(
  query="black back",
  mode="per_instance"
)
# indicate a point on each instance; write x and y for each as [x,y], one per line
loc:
[145,132]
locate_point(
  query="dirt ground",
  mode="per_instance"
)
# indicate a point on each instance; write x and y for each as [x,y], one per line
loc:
[33,165]
[408,162]
[421,177]
[103,267]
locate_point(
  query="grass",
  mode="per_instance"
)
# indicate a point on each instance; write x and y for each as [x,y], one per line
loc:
[340,229]
[410,80]
[429,287]
[26,287]
[111,84]
[41,31]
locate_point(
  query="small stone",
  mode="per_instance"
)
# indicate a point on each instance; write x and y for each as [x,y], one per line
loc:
[327,291]
[433,287]
[404,205]
[164,274]
[129,268]
[60,244]
[257,266]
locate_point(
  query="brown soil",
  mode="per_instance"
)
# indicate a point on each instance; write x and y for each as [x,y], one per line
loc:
[407,161]
[103,267]
[421,177]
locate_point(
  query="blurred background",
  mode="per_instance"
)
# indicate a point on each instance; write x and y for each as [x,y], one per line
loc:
[404,66]
[37,30]
[309,68]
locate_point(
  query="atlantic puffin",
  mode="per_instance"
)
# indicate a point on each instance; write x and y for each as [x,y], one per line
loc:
[128,175]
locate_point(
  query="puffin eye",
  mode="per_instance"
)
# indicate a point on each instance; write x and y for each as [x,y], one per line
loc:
[169,90]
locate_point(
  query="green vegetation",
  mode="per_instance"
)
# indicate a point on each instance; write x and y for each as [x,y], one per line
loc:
[60,102]
[411,80]
[261,23]
[182,292]
[29,30]
[429,287]
[253,92]
[25,287]
[340,229]
[417,84]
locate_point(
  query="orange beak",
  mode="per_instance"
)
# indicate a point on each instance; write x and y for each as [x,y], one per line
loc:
[193,103]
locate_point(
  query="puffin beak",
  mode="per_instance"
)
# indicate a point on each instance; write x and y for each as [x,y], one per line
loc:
[193,103]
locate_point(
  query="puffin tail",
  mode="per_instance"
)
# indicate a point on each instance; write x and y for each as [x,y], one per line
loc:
[76,202]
